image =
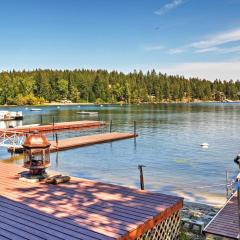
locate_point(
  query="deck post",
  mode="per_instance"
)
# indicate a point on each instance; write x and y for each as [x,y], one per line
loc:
[110,126]
[140,167]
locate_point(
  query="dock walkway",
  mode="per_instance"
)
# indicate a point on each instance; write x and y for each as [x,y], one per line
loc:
[226,223]
[82,141]
[56,127]
[79,210]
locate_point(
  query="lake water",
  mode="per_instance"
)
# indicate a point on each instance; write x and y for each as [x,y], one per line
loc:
[168,145]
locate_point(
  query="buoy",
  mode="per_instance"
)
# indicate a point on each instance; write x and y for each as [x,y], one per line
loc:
[204,145]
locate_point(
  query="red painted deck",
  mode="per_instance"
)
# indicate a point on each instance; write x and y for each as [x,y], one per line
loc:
[82,141]
[226,222]
[56,127]
[80,209]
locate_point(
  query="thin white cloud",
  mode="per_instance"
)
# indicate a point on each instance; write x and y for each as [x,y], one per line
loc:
[169,6]
[218,43]
[207,70]
[205,50]
[235,49]
[218,39]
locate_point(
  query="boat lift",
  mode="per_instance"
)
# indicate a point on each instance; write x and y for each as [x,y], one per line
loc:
[12,140]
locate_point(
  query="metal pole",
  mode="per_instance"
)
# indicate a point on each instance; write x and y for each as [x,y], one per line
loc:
[110,126]
[41,120]
[140,167]
[226,184]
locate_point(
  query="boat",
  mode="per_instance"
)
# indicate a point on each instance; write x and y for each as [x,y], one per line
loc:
[8,116]
[87,113]
[36,109]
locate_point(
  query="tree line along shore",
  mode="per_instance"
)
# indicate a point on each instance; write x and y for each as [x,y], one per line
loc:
[100,86]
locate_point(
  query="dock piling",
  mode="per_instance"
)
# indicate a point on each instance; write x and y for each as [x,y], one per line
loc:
[140,167]
[56,139]
[110,126]
[41,119]
[135,128]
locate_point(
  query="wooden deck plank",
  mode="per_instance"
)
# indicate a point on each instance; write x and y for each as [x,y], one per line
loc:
[82,184]
[69,195]
[42,218]
[82,141]
[91,209]
[18,231]
[226,222]
[27,226]
[78,185]
[9,235]
[56,126]
[45,190]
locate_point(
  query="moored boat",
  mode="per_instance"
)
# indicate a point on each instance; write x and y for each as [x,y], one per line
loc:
[7,115]
[36,109]
[87,113]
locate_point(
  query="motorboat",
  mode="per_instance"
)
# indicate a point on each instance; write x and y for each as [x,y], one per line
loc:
[36,109]
[87,113]
[8,115]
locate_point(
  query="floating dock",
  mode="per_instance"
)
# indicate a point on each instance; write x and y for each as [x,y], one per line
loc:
[82,141]
[56,126]
[76,142]
[225,225]
[83,210]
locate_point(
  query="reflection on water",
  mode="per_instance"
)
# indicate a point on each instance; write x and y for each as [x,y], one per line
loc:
[168,145]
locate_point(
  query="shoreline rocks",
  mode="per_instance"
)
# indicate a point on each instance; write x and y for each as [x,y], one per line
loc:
[196,216]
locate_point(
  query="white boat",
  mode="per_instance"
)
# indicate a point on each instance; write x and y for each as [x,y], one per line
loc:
[87,113]
[7,115]
[36,109]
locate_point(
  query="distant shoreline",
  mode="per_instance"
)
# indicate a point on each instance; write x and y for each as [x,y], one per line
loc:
[120,103]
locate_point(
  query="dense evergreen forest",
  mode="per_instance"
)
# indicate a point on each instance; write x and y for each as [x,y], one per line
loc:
[39,86]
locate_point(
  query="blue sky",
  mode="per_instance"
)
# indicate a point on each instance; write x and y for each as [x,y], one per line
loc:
[188,37]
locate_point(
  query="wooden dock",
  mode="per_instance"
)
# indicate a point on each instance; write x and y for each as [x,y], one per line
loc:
[56,127]
[81,210]
[82,141]
[226,223]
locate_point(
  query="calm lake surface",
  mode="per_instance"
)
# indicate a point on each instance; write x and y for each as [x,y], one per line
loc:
[168,145]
